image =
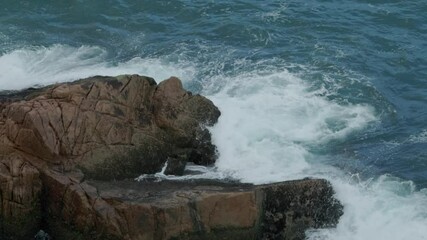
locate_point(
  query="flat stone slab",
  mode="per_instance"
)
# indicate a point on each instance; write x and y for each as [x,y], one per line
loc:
[210,209]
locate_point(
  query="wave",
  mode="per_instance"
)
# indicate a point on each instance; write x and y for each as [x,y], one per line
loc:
[31,66]
[383,208]
[272,121]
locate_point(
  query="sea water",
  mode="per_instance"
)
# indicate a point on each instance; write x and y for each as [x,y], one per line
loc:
[329,89]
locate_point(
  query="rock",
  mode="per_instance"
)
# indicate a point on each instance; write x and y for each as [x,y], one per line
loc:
[290,209]
[112,128]
[175,165]
[192,209]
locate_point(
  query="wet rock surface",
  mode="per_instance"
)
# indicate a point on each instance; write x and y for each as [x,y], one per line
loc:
[69,153]
[290,209]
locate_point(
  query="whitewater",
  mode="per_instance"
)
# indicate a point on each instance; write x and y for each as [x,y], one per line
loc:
[275,126]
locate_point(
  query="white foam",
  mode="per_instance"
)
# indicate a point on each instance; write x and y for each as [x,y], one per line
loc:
[192,172]
[269,122]
[60,63]
[419,138]
[386,208]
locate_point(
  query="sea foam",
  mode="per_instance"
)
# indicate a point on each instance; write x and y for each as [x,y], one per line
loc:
[31,66]
[270,122]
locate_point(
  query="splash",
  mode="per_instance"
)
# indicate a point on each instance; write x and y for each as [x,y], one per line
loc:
[61,63]
[271,121]
[382,208]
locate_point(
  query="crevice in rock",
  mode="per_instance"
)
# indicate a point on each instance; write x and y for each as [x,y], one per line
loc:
[126,85]
[90,90]
[195,217]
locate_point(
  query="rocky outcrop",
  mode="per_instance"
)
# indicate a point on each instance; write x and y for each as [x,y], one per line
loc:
[189,210]
[67,152]
[290,209]
[112,128]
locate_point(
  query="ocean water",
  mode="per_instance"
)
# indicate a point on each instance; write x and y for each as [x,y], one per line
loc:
[316,88]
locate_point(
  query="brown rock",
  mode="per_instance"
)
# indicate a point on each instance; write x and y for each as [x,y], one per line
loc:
[228,210]
[195,210]
[20,190]
[110,127]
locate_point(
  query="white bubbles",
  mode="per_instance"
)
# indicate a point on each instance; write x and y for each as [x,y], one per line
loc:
[419,138]
[269,121]
[60,63]
[192,172]
[386,208]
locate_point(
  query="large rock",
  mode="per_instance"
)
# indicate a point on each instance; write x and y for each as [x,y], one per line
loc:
[67,152]
[109,127]
[188,210]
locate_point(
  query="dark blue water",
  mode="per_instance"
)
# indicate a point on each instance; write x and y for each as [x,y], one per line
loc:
[351,76]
